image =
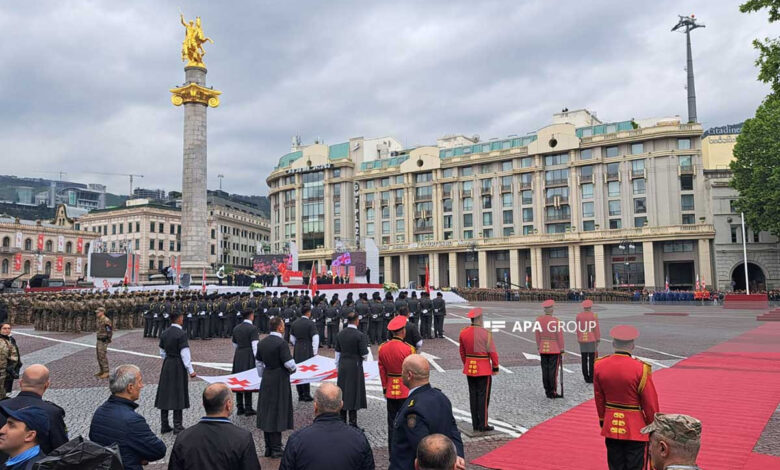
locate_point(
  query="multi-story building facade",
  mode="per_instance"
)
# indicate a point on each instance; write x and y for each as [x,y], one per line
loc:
[577,204]
[237,232]
[44,247]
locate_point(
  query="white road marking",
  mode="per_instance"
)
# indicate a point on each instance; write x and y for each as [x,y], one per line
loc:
[456,343]
[495,422]
[527,356]
[432,359]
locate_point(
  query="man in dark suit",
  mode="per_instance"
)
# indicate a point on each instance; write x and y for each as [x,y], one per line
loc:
[215,443]
[275,364]
[34,382]
[306,342]
[351,351]
[328,443]
[426,411]
[173,389]
[245,340]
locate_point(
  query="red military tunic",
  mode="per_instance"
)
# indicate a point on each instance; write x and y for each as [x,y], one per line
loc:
[585,332]
[478,351]
[626,399]
[550,339]
[391,355]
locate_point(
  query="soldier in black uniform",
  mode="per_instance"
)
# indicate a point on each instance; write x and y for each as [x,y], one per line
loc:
[245,340]
[414,308]
[401,301]
[318,317]
[274,366]
[222,316]
[388,314]
[201,317]
[351,351]
[426,411]
[332,322]
[149,309]
[191,320]
[254,304]
[306,342]
[157,317]
[439,310]
[426,312]
[363,310]
[288,315]
[173,389]
[346,310]
[412,334]
[375,322]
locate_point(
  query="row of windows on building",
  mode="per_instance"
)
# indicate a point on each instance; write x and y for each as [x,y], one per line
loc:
[27,268]
[48,245]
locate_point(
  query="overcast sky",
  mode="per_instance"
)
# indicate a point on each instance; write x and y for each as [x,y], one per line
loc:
[85,84]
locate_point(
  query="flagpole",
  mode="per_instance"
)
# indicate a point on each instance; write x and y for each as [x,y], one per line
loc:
[744,254]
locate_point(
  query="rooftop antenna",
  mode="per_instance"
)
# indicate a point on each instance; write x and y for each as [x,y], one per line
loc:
[686,25]
[220,176]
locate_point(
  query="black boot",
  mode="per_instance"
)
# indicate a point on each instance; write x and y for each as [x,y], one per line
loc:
[165,427]
[177,421]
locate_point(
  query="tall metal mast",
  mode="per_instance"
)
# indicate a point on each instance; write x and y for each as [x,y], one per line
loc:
[686,25]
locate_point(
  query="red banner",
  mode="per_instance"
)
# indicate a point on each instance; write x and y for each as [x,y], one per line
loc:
[79,245]
[324,269]
[18,262]
[59,264]
[352,274]
[40,242]
[137,273]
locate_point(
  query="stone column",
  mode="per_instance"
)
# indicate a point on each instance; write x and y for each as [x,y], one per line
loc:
[194,236]
[575,267]
[404,271]
[388,269]
[601,273]
[433,269]
[648,259]
[482,266]
[328,214]
[705,262]
[514,268]
[453,262]
[537,276]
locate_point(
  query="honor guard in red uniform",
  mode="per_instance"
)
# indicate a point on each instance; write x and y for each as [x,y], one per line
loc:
[549,342]
[480,363]
[391,355]
[588,335]
[626,401]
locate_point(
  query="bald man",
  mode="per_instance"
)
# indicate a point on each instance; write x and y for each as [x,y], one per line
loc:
[436,452]
[34,383]
[328,442]
[426,411]
[215,443]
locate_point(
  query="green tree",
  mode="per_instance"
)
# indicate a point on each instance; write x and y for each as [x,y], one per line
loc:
[768,61]
[757,167]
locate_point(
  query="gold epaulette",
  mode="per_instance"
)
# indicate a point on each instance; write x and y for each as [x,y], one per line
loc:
[601,357]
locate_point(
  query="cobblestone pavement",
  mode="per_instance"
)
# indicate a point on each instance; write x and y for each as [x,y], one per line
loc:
[517,402]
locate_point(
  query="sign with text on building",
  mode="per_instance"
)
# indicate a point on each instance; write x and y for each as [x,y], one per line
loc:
[309,169]
[356,189]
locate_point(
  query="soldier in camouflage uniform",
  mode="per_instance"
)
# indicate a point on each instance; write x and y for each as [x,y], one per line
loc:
[104,331]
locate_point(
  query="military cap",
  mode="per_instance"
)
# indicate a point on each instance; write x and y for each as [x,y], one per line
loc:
[587,303]
[548,303]
[624,333]
[475,312]
[677,427]
[397,323]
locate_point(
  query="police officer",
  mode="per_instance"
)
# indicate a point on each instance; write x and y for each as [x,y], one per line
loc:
[306,342]
[588,336]
[549,342]
[480,363]
[626,401]
[426,313]
[426,411]
[391,355]
[439,310]
[103,334]
[375,322]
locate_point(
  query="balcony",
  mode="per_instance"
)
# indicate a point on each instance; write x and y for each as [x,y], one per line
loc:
[465,193]
[555,218]
[638,173]
[487,190]
[557,182]
[9,249]
[446,194]
[526,185]
[584,179]
[506,188]
[556,200]
[612,177]
[422,214]
[368,204]
[687,169]
[423,197]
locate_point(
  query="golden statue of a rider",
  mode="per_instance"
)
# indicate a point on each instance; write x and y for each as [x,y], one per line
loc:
[192,48]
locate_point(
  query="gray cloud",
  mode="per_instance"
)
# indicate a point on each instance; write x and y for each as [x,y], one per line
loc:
[85,84]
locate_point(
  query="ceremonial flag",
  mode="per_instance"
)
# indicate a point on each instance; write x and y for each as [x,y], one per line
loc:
[667,283]
[698,285]
[18,262]
[128,269]
[313,281]
[79,245]
[527,281]
[427,280]
[59,264]
[351,274]
[324,269]
[178,267]
[40,263]
[40,242]
[203,281]
[61,243]
[703,284]
[314,370]
[18,239]
[137,276]
[78,266]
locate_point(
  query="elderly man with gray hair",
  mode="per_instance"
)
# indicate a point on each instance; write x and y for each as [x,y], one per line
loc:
[674,441]
[328,442]
[116,421]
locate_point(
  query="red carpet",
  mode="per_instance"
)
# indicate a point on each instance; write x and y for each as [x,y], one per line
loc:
[733,388]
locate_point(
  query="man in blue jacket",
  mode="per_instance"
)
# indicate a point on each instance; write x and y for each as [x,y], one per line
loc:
[116,421]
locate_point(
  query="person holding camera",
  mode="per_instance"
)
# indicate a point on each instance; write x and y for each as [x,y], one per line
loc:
[10,363]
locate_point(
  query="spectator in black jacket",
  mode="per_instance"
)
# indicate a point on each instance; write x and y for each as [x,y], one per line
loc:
[34,383]
[116,421]
[328,442]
